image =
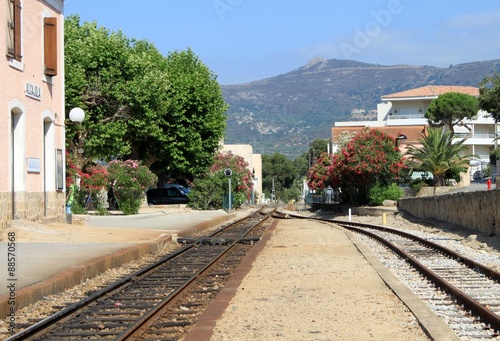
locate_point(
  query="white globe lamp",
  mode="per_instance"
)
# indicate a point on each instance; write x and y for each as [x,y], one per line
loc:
[76,115]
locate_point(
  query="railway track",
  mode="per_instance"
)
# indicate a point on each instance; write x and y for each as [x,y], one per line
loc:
[471,291]
[161,301]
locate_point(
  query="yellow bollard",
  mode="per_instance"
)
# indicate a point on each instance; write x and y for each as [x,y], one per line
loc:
[384,218]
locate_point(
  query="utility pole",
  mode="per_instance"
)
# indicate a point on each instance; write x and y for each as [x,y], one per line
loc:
[273,196]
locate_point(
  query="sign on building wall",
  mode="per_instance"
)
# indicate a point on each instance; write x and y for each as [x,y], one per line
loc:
[33,91]
[33,165]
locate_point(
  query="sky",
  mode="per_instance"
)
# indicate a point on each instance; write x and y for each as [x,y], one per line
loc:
[247,40]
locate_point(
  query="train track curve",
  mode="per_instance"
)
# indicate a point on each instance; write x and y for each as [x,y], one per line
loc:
[473,287]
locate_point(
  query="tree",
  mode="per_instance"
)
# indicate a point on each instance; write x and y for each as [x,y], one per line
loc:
[97,70]
[450,109]
[370,157]
[438,154]
[140,104]
[489,96]
[279,170]
[308,158]
[195,121]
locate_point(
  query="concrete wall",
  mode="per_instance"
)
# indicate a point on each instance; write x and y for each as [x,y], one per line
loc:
[478,210]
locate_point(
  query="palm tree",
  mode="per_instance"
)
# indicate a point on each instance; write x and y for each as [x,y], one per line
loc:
[438,154]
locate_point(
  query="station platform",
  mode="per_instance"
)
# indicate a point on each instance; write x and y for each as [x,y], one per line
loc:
[49,258]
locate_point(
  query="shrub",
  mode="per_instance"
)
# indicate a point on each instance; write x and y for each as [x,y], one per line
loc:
[379,193]
[207,193]
[130,181]
[211,191]
[416,185]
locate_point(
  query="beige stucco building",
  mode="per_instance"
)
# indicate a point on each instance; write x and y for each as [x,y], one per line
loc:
[32,174]
[254,165]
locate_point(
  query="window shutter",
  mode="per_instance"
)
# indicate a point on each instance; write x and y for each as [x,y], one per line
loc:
[50,45]
[11,49]
[17,30]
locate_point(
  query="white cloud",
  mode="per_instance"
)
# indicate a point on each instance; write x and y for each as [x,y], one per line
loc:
[473,21]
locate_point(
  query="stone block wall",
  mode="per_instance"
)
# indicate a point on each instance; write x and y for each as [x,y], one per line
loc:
[30,206]
[5,209]
[478,210]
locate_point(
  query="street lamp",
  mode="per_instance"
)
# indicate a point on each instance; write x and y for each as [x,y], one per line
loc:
[76,115]
[400,137]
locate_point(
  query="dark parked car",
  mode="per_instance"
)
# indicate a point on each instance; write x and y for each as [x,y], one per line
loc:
[478,175]
[180,187]
[164,196]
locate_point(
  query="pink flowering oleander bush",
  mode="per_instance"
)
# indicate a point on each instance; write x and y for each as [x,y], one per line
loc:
[369,158]
[130,180]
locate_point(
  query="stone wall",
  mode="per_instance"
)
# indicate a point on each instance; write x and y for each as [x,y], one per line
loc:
[478,210]
[30,206]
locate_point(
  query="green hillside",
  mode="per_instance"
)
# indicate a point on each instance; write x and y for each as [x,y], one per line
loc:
[285,113]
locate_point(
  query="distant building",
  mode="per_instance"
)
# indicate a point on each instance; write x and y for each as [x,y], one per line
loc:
[254,164]
[403,113]
[32,141]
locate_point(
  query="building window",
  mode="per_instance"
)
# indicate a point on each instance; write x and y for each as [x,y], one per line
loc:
[50,45]
[14,30]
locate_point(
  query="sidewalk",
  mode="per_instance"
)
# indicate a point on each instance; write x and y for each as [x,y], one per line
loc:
[53,257]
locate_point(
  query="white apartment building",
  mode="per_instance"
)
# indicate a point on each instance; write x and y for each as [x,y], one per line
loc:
[404,112]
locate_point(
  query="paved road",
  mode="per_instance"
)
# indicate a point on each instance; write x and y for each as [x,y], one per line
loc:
[474,186]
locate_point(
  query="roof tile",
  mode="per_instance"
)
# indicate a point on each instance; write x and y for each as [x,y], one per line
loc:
[434,91]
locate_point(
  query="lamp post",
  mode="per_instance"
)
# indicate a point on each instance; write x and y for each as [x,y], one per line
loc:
[76,116]
[253,186]
[400,137]
[228,173]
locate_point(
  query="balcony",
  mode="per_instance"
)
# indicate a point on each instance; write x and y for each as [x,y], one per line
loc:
[474,136]
[405,117]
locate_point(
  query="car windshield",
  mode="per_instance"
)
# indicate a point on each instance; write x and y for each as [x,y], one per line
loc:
[184,189]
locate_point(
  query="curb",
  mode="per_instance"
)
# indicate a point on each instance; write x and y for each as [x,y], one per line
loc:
[96,266]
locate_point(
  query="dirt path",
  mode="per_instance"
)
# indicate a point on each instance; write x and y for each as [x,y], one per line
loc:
[311,283]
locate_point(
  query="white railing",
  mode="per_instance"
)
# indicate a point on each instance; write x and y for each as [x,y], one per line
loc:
[405,117]
[474,136]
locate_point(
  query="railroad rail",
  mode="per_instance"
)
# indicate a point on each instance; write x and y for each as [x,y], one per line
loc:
[472,285]
[161,299]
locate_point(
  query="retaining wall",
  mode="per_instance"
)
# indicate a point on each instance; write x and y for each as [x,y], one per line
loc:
[479,210]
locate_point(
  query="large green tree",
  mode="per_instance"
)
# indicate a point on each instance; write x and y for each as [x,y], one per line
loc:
[97,71]
[195,119]
[140,104]
[489,96]
[450,109]
[438,154]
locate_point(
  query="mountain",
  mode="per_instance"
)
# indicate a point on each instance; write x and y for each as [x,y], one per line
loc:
[285,113]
